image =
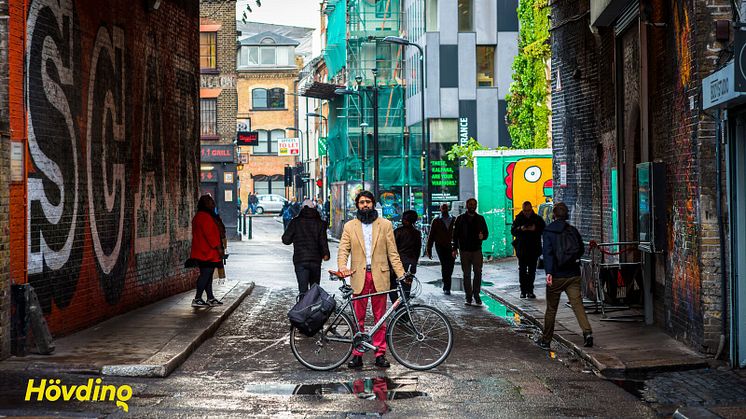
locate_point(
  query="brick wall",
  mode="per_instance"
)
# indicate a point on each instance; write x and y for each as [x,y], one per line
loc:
[681,51]
[223,12]
[4,182]
[113,154]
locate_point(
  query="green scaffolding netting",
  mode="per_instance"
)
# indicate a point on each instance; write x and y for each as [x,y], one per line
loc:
[335,54]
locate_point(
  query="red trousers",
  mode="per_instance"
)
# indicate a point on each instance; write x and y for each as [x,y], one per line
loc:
[379,309]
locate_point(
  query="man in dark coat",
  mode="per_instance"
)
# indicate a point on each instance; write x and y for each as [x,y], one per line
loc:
[468,233]
[563,277]
[307,234]
[441,235]
[527,229]
[409,245]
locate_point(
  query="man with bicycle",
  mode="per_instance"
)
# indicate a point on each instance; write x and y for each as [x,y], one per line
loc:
[369,244]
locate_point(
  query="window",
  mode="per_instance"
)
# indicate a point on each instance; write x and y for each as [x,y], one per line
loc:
[264,185]
[465,12]
[208,110]
[268,141]
[268,98]
[485,65]
[207,50]
[259,98]
[250,56]
[444,131]
[261,186]
[431,20]
[383,8]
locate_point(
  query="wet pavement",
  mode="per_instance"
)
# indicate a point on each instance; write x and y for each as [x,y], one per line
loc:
[247,368]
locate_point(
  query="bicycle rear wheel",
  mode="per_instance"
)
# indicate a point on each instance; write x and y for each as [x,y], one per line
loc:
[420,339]
[328,348]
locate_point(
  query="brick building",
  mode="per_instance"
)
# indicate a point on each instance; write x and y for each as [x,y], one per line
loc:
[218,104]
[267,78]
[626,91]
[98,171]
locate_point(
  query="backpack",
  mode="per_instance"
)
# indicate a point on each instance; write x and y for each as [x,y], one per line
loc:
[568,246]
[310,313]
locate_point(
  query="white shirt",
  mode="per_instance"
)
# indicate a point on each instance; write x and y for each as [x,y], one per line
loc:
[368,240]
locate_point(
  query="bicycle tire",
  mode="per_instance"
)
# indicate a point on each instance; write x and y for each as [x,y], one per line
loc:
[429,321]
[304,347]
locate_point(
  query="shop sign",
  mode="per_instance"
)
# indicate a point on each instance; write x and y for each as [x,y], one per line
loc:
[217,153]
[288,147]
[208,176]
[248,138]
[443,174]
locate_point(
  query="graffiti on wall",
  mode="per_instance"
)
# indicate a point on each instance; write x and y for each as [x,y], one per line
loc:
[529,179]
[101,121]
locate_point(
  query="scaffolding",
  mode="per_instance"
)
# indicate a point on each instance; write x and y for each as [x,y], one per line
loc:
[361,30]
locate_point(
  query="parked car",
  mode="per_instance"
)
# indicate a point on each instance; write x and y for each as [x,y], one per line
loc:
[269,203]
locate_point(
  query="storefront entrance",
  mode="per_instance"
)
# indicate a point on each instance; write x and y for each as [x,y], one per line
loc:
[737,194]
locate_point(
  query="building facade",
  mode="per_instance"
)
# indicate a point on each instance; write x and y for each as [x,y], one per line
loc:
[469,50]
[99,164]
[639,159]
[218,107]
[267,80]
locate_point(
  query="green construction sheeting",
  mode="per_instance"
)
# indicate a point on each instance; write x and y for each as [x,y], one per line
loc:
[335,54]
[504,179]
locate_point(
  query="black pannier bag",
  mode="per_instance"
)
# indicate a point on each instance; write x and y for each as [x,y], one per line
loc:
[311,312]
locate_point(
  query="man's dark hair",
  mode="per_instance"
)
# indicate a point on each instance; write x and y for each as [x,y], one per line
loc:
[367,194]
[471,199]
[528,203]
[560,211]
[409,216]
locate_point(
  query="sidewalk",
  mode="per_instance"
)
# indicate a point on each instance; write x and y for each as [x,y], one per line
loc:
[147,342]
[619,347]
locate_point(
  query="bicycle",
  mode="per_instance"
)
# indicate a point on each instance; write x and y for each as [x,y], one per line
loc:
[413,329]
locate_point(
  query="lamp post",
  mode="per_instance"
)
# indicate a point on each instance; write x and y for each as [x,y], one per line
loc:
[324,121]
[425,137]
[308,156]
[363,125]
[374,102]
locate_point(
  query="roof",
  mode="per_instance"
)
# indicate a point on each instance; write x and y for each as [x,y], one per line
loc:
[298,33]
[279,39]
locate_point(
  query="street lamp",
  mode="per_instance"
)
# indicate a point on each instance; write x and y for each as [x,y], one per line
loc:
[324,120]
[425,138]
[363,125]
[308,156]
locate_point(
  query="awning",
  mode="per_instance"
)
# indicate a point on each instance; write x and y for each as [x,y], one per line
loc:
[320,90]
[209,28]
[209,93]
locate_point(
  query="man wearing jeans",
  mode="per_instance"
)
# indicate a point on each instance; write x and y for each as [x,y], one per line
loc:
[368,242]
[565,277]
[307,234]
[469,231]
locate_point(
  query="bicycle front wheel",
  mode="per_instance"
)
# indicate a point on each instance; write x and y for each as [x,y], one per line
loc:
[328,348]
[420,339]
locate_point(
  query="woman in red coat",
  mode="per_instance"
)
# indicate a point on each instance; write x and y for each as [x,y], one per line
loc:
[207,249]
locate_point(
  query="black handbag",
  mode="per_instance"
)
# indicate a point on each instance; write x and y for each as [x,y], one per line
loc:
[310,313]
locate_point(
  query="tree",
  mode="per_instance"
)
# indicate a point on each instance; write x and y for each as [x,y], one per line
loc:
[528,111]
[465,153]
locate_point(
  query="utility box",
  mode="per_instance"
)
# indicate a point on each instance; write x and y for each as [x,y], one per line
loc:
[503,181]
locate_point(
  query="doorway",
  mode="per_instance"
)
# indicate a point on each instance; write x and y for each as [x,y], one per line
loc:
[737,193]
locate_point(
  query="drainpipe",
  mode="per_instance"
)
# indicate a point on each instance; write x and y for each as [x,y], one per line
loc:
[721,231]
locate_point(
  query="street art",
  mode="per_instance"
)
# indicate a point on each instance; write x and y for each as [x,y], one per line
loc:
[55,196]
[102,117]
[529,180]
[107,161]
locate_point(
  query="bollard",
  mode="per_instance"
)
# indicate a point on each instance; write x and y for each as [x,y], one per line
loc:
[250,226]
[244,223]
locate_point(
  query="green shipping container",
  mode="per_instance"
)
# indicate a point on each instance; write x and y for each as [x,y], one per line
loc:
[503,180]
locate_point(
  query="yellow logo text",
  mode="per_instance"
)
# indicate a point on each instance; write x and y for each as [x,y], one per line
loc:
[53,390]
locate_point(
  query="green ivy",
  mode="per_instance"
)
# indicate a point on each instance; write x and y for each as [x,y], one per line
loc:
[465,153]
[528,111]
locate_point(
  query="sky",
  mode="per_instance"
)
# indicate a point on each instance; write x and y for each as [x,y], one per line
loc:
[282,12]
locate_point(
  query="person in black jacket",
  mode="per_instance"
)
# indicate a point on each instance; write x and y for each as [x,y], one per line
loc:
[307,234]
[468,233]
[527,229]
[409,245]
[563,278]
[441,235]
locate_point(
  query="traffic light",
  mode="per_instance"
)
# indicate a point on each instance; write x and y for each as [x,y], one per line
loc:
[288,176]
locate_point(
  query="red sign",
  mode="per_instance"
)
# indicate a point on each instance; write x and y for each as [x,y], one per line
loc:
[247,138]
[217,153]
[208,176]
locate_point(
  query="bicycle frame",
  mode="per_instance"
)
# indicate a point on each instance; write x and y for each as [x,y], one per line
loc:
[401,300]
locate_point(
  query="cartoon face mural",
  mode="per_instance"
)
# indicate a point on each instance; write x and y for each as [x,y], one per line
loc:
[529,180]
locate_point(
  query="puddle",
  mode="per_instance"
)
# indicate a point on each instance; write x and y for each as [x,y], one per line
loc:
[457,284]
[376,388]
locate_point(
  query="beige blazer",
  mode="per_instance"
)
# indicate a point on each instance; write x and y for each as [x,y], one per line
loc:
[352,246]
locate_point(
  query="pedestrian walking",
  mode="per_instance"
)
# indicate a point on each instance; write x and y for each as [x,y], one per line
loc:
[409,245]
[286,213]
[441,235]
[469,231]
[527,229]
[253,202]
[307,234]
[368,244]
[207,251]
[563,247]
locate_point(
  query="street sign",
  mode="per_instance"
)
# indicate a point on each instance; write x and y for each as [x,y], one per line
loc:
[288,147]
[322,146]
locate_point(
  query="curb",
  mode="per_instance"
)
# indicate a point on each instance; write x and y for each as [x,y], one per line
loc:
[165,362]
